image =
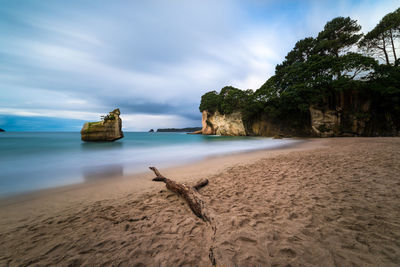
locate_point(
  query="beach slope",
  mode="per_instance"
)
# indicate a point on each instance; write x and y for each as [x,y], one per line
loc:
[328,202]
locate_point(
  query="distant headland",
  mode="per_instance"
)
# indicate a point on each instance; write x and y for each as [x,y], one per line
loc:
[188,130]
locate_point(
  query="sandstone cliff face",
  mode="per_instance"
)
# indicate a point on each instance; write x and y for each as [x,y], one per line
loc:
[218,124]
[330,123]
[348,113]
[324,123]
[265,128]
[233,125]
[109,129]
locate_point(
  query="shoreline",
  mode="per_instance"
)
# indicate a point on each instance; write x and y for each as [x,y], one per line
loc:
[63,165]
[141,179]
[323,202]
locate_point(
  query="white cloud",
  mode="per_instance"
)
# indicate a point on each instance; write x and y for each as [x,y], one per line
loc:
[145,122]
[51,113]
[76,62]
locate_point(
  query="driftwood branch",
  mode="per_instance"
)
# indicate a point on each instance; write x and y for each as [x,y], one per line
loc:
[200,184]
[159,177]
[195,202]
[189,193]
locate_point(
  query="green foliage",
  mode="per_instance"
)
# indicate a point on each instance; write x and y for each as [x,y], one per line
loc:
[93,125]
[301,52]
[338,36]
[322,128]
[108,117]
[210,101]
[381,40]
[232,99]
[227,101]
[386,84]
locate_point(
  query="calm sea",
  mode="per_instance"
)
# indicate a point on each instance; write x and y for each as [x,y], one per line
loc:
[32,160]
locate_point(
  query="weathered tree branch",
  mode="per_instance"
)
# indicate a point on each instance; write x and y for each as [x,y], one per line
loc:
[195,202]
[189,193]
[200,184]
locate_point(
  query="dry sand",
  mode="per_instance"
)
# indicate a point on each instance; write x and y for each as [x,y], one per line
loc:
[326,202]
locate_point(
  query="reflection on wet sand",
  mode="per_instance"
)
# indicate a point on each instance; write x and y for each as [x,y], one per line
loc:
[93,146]
[93,174]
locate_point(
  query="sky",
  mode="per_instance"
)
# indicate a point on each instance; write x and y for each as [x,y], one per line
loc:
[66,62]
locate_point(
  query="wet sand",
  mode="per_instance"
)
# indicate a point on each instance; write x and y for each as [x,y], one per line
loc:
[325,202]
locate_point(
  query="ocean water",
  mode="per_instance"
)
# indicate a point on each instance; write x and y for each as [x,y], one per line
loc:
[31,160]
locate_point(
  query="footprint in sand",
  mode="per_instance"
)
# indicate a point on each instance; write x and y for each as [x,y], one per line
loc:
[293,216]
[247,239]
[288,252]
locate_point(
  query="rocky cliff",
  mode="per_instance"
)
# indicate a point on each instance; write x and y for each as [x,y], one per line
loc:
[349,113]
[233,125]
[266,127]
[218,124]
[109,129]
[324,122]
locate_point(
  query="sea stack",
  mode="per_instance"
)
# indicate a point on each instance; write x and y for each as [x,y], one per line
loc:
[109,129]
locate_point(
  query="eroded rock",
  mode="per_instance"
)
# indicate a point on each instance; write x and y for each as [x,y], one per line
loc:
[109,129]
[324,123]
[227,124]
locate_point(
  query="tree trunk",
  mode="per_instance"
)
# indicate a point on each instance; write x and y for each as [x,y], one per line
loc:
[384,51]
[398,34]
[394,50]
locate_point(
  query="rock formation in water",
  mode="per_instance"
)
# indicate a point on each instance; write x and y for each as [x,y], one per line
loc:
[1,130]
[151,131]
[109,129]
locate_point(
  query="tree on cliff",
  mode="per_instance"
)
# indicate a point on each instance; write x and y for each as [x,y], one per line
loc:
[227,101]
[380,41]
[314,70]
[301,52]
[386,85]
[322,72]
[232,99]
[339,36]
[209,101]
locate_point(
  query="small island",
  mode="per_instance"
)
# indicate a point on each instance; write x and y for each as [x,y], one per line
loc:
[176,130]
[1,130]
[108,129]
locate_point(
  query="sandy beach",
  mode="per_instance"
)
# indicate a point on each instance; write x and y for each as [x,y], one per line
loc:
[323,202]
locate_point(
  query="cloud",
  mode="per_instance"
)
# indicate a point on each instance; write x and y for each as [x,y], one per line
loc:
[17,120]
[145,122]
[76,59]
